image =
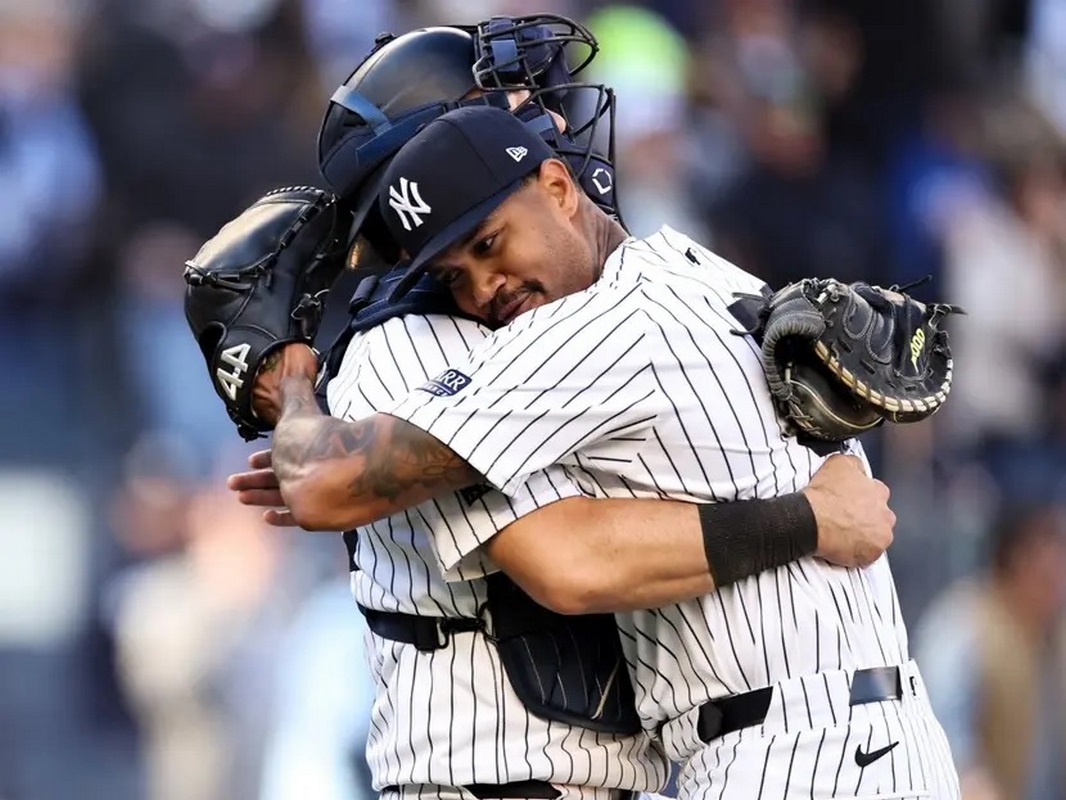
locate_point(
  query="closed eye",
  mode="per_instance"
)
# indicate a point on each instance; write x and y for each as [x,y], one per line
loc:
[448,276]
[483,246]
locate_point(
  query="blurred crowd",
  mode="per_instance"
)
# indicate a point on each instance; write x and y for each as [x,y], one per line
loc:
[157,642]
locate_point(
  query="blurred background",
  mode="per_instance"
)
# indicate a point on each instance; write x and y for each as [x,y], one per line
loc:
[156,642]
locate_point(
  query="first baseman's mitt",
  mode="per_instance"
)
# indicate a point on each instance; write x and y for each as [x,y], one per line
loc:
[841,359]
[258,284]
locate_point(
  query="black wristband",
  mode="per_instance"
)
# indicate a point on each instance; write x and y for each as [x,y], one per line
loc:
[746,537]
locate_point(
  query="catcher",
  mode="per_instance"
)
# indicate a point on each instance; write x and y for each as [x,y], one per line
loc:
[614,352]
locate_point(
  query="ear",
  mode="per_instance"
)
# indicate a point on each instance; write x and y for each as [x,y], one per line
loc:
[555,180]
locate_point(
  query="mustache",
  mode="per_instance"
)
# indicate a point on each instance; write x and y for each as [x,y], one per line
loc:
[504,299]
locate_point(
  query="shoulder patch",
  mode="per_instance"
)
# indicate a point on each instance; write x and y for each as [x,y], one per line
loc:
[449,382]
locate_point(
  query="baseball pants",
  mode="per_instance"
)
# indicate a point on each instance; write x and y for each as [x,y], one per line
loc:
[814,744]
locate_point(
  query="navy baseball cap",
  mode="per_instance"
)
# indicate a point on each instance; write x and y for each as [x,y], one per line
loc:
[451,175]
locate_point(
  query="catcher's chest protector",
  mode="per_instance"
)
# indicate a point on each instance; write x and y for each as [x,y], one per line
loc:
[568,668]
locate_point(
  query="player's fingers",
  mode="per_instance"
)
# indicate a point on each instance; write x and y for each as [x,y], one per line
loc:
[259,459]
[279,518]
[847,460]
[268,498]
[842,458]
[256,479]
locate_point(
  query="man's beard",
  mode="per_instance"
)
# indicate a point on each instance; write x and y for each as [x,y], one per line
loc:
[500,309]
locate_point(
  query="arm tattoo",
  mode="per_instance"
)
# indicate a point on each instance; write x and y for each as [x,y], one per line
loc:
[386,462]
[400,456]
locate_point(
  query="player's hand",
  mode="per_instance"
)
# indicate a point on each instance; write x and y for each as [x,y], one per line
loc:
[291,360]
[854,521]
[259,487]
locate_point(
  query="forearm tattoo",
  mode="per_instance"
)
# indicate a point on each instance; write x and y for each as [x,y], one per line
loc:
[384,457]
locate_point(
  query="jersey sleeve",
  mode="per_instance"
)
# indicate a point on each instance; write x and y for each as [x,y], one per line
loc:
[573,375]
[382,366]
[461,523]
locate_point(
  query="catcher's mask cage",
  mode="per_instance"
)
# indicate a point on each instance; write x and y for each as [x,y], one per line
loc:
[536,53]
[366,125]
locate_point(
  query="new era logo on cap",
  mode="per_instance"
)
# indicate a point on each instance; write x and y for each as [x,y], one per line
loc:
[517,153]
[408,203]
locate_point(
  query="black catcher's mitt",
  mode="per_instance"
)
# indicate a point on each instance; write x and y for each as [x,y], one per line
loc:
[841,359]
[260,283]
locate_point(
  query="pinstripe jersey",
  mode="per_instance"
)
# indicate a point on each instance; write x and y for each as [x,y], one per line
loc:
[449,717]
[639,388]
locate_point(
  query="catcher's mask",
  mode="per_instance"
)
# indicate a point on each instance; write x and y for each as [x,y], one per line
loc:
[409,80]
[544,53]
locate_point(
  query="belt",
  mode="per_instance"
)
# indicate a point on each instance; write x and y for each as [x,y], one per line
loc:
[522,790]
[425,633]
[535,790]
[719,717]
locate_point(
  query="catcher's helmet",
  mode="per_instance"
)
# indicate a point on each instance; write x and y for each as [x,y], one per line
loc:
[408,80]
[405,82]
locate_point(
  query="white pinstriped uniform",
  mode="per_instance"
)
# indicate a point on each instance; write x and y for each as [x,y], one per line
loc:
[640,389]
[449,717]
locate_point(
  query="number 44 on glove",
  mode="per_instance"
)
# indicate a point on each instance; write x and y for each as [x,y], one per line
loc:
[260,283]
[841,359]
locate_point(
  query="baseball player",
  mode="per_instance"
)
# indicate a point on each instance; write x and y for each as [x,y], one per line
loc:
[442,730]
[614,354]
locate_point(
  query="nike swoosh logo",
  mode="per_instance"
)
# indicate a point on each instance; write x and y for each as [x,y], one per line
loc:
[865,759]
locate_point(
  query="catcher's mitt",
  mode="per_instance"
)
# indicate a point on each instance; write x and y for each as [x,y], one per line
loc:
[258,284]
[841,359]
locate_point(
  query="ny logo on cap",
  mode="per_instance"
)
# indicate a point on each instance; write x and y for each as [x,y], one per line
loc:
[517,153]
[408,203]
